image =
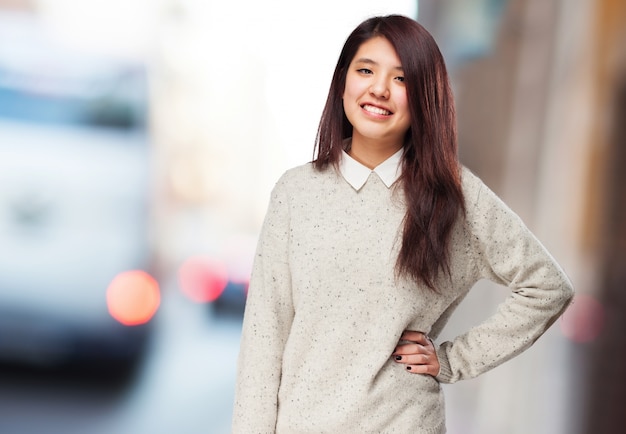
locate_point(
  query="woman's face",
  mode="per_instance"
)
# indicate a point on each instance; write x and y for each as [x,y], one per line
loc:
[374,98]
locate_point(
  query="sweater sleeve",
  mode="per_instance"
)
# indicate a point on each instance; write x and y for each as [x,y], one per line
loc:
[266,324]
[507,253]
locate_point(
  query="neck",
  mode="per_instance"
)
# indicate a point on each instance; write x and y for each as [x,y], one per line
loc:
[371,154]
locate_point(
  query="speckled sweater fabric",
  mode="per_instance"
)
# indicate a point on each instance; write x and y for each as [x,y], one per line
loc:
[325,311]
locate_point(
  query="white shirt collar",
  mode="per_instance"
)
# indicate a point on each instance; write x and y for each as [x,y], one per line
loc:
[356,173]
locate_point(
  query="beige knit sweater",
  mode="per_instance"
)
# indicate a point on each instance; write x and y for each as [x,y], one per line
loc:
[325,312]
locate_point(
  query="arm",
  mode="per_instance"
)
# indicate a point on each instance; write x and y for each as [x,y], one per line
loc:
[266,324]
[506,252]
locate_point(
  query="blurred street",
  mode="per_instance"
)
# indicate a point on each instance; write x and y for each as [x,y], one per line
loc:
[184,386]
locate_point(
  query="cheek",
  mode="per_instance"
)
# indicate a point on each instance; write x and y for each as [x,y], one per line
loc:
[347,90]
[403,101]
[404,104]
[347,111]
[349,99]
[354,88]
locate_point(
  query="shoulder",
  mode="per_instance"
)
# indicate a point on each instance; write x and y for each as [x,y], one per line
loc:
[297,173]
[477,194]
[471,185]
[485,211]
[302,178]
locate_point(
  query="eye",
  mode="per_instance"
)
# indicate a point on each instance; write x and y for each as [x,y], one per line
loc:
[400,79]
[364,71]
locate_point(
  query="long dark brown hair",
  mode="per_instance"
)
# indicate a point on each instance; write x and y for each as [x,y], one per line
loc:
[430,177]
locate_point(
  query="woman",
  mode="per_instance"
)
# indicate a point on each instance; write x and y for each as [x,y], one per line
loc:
[367,251]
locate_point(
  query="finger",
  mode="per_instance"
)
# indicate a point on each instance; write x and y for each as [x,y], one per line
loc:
[414,359]
[413,336]
[424,340]
[422,369]
[410,349]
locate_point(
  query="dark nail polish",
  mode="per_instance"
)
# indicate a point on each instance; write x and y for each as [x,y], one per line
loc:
[398,357]
[408,368]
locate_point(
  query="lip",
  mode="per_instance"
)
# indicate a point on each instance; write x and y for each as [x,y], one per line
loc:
[376,106]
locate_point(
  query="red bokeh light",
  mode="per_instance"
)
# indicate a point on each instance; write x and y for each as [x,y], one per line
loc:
[133,297]
[202,278]
[584,320]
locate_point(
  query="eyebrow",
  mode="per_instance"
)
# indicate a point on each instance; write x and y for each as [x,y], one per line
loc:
[372,62]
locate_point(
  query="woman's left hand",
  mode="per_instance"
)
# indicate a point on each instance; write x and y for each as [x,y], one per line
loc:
[417,353]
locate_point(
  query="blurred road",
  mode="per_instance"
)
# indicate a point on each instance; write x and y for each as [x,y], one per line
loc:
[185,384]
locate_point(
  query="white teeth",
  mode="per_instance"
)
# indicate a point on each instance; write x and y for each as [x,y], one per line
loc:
[376,110]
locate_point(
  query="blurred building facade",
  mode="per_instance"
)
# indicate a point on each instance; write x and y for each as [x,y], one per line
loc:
[607,235]
[541,120]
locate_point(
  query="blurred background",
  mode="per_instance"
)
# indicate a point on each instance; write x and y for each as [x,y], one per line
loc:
[139,142]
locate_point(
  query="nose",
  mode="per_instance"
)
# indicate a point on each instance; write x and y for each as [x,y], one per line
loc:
[380,89]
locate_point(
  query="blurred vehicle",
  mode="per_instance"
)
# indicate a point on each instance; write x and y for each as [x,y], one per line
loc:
[233,300]
[74,203]
[220,281]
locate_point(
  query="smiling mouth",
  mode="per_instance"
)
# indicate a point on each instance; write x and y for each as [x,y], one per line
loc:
[376,110]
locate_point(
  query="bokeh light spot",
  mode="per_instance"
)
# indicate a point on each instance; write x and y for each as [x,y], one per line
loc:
[584,320]
[202,278]
[133,297]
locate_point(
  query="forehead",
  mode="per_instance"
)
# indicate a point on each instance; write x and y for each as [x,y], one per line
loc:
[377,50]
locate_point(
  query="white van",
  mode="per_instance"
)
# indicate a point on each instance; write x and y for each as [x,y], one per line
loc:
[74,203]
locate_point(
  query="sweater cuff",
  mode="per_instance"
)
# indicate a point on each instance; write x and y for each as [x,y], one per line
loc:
[445,371]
